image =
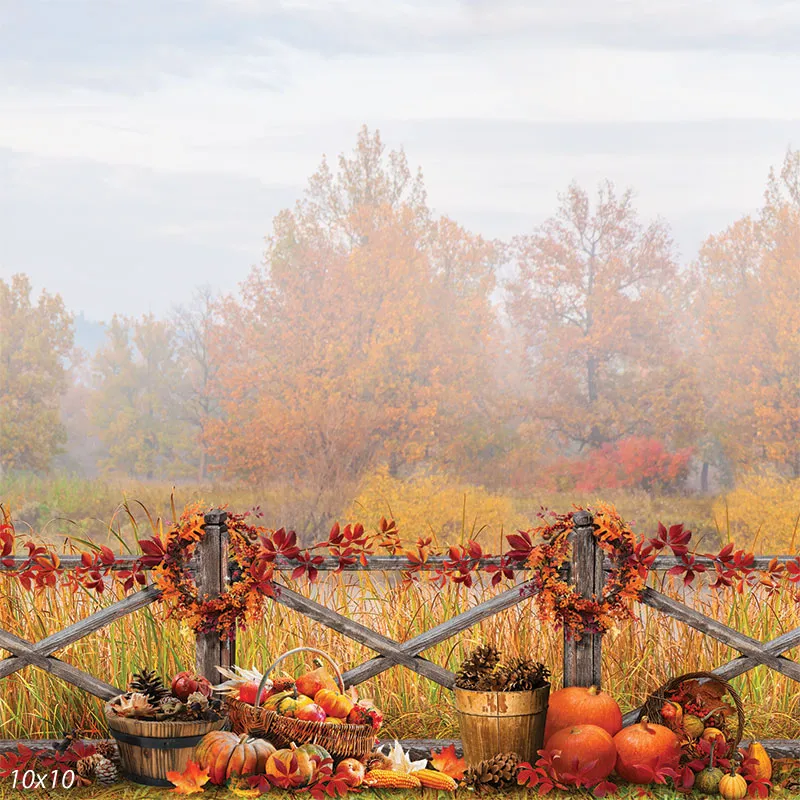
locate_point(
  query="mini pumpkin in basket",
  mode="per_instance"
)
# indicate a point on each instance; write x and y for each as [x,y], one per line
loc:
[696,708]
[311,708]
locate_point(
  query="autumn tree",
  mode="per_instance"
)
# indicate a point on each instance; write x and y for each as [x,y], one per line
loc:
[136,404]
[365,334]
[597,299]
[35,342]
[747,302]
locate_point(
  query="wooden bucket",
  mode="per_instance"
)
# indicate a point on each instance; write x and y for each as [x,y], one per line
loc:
[149,750]
[502,722]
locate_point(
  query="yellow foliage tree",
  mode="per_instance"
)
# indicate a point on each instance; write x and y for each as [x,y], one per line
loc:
[365,336]
[35,341]
[747,306]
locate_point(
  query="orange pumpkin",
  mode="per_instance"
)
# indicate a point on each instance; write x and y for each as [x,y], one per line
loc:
[314,681]
[639,746]
[333,704]
[579,745]
[228,755]
[760,766]
[579,705]
[291,768]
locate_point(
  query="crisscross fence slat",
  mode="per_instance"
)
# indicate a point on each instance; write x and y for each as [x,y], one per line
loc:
[582,660]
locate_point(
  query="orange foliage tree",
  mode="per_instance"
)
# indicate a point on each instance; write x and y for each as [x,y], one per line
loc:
[749,328]
[365,335]
[598,300]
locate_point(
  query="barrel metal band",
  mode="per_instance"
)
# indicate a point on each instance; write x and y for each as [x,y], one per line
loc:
[157,743]
[147,780]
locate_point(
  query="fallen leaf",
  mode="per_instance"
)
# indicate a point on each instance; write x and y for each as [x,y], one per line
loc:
[190,781]
[448,762]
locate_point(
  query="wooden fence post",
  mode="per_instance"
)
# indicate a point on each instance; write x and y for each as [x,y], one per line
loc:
[212,577]
[582,659]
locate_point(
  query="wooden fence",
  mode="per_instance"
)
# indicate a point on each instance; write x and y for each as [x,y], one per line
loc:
[582,660]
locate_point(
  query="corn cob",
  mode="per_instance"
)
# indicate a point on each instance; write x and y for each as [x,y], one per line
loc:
[390,779]
[434,779]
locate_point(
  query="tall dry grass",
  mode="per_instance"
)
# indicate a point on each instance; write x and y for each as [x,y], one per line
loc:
[638,657]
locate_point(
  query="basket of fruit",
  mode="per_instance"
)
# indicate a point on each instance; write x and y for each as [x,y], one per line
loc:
[157,728]
[312,708]
[699,706]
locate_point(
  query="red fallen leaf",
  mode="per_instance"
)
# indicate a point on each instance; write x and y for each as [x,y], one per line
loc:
[604,788]
[446,761]
[260,782]
[190,781]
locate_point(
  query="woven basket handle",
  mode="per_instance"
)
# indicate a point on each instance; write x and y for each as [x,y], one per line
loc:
[291,653]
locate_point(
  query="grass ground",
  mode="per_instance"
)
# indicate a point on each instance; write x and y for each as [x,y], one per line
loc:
[129,791]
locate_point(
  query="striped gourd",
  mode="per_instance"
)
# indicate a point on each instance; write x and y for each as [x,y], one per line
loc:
[391,779]
[434,779]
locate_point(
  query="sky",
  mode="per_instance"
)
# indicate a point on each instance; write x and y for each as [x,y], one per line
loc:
[146,145]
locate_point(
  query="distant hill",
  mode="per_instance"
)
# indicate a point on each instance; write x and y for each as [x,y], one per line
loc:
[89,334]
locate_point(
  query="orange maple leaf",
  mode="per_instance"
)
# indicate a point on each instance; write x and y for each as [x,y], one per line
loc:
[446,761]
[190,781]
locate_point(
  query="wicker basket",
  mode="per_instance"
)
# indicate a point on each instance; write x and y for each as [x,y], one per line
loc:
[652,707]
[341,741]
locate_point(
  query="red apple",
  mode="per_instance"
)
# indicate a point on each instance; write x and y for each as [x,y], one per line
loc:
[311,713]
[351,771]
[247,693]
[186,683]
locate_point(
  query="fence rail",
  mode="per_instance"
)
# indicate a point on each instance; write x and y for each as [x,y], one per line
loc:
[582,660]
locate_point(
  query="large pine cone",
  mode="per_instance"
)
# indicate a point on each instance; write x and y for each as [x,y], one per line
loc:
[498,772]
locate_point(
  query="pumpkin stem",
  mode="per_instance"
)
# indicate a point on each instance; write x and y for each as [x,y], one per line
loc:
[594,690]
[711,754]
[644,723]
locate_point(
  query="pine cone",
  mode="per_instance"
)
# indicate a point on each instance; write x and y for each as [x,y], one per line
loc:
[480,663]
[109,750]
[106,772]
[148,682]
[524,675]
[86,766]
[498,772]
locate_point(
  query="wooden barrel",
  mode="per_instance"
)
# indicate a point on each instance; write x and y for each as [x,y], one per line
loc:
[149,750]
[501,722]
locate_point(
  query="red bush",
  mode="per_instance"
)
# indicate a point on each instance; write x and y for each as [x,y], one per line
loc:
[633,463]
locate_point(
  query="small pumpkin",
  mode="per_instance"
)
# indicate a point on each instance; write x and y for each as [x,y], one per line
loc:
[315,680]
[714,735]
[707,780]
[333,703]
[733,786]
[760,766]
[289,706]
[273,701]
[291,768]
[228,755]
[580,745]
[642,745]
[579,705]
[693,726]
